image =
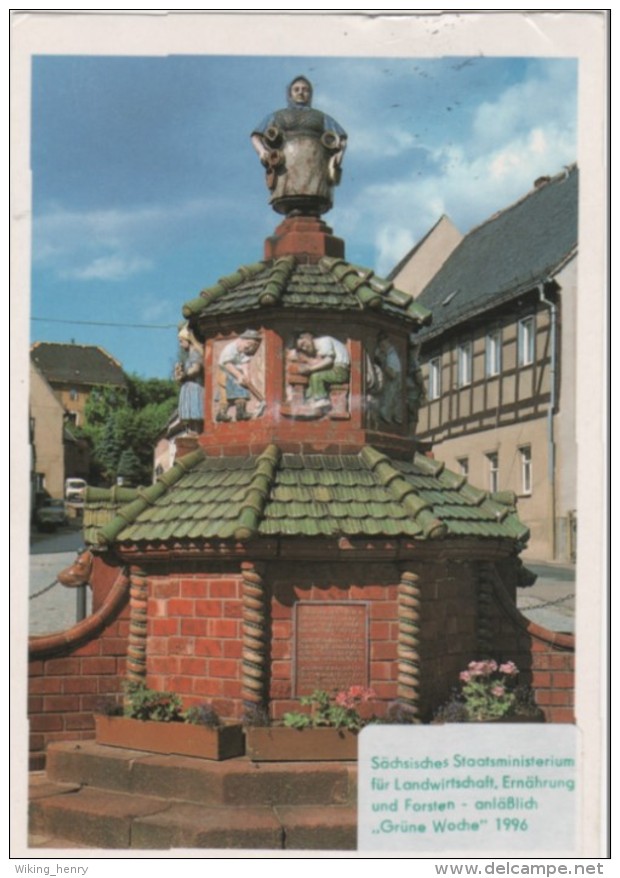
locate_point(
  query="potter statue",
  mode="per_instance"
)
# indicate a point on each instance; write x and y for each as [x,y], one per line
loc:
[322,362]
[302,150]
[189,374]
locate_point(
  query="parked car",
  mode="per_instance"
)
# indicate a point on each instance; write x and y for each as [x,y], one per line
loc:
[50,515]
[74,490]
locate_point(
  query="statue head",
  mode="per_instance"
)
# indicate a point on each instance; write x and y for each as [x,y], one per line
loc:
[299,92]
[187,339]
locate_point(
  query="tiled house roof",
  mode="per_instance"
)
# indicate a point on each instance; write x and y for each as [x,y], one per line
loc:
[330,285]
[507,255]
[76,364]
[280,495]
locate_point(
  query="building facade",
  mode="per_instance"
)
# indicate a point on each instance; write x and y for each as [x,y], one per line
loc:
[499,361]
[73,370]
[47,458]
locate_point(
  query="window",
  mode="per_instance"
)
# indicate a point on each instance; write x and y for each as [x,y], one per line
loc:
[463,364]
[526,469]
[493,359]
[525,341]
[493,459]
[73,394]
[434,378]
[463,465]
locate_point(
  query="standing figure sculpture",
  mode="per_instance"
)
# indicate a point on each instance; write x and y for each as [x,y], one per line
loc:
[189,374]
[302,150]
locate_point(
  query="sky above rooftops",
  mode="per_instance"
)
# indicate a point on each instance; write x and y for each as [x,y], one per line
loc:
[146,188]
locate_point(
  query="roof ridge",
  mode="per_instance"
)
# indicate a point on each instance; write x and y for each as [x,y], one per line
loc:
[255,500]
[281,272]
[147,496]
[402,491]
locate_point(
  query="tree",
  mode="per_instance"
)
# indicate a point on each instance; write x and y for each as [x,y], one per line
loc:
[128,420]
[129,467]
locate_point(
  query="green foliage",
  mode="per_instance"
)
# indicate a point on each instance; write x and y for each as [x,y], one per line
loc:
[203,715]
[127,420]
[339,711]
[148,704]
[129,467]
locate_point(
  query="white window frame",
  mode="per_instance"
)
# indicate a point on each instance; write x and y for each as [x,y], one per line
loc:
[493,353]
[525,452]
[434,378]
[526,338]
[493,460]
[464,364]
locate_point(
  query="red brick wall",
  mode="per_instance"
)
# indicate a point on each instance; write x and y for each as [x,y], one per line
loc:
[194,644]
[553,680]
[63,692]
[376,584]
[194,638]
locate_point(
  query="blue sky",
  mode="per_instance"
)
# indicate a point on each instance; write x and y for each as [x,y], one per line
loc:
[146,188]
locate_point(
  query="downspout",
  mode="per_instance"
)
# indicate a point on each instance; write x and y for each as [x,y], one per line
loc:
[553,317]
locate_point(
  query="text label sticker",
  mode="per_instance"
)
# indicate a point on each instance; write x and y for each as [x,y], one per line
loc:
[474,787]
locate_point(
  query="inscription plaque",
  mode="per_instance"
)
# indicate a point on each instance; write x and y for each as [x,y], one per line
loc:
[331,646]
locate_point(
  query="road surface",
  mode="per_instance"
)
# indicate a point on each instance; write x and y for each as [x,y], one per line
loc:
[52,608]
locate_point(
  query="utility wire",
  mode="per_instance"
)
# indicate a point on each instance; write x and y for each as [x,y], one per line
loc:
[101,323]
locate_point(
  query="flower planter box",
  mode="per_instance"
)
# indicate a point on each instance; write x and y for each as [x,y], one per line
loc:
[280,744]
[182,739]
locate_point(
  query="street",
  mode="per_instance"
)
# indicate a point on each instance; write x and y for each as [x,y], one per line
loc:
[550,602]
[52,609]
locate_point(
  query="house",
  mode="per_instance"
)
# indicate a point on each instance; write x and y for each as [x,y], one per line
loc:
[499,359]
[425,259]
[47,465]
[62,376]
[73,370]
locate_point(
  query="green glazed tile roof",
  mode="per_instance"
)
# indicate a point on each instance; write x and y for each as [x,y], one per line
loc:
[332,284]
[278,495]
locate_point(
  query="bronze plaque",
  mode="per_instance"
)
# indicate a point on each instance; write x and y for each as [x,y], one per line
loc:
[331,646]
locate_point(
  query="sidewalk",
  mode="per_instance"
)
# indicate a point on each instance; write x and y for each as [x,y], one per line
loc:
[550,602]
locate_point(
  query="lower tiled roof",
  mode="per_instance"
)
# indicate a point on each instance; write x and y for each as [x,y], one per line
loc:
[293,495]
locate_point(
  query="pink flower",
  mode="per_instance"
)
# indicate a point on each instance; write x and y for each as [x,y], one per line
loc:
[342,699]
[498,691]
[465,676]
[482,668]
[509,668]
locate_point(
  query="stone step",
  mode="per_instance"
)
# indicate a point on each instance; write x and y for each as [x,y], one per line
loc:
[230,782]
[62,815]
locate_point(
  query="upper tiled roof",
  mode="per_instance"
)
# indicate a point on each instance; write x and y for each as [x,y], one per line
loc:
[508,254]
[76,363]
[331,284]
[279,495]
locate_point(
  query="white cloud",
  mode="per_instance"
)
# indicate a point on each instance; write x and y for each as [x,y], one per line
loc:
[527,132]
[109,268]
[109,245]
